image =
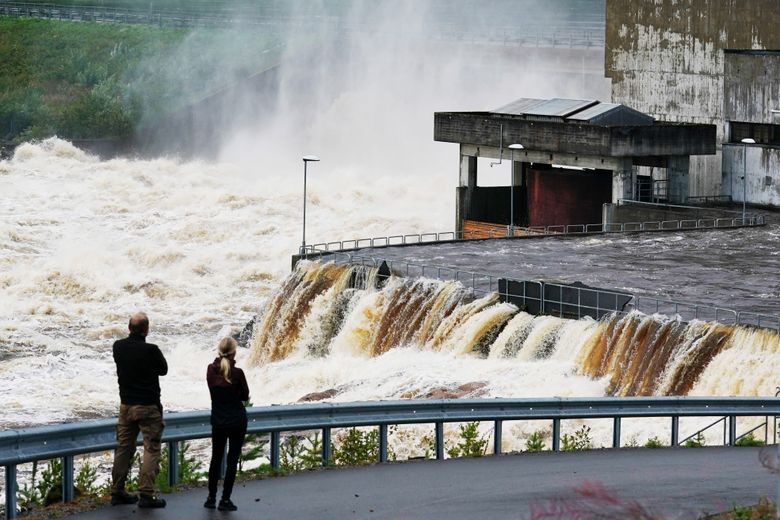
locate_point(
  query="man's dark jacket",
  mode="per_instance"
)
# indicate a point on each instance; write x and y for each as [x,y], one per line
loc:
[138,367]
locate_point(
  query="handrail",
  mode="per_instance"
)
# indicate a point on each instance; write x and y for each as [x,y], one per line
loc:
[551,230]
[67,440]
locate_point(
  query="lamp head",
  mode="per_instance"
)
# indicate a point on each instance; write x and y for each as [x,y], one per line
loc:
[516,146]
[748,140]
[310,158]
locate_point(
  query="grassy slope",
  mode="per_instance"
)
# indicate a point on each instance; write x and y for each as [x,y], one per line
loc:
[88,80]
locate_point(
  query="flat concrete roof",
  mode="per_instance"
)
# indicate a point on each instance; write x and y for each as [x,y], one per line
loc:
[578,127]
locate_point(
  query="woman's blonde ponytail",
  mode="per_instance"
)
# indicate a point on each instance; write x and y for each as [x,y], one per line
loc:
[227,347]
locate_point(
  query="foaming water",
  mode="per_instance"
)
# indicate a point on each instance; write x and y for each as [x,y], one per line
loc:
[203,248]
[198,246]
[633,354]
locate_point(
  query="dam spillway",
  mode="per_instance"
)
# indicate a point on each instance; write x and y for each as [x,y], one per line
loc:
[325,309]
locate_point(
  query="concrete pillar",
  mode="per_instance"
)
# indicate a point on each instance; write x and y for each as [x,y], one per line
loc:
[623,182]
[467,184]
[468,171]
[677,179]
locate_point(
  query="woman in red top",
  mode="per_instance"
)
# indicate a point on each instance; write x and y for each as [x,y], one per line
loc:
[228,389]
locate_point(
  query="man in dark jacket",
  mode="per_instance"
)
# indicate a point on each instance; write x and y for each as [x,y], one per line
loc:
[138,367]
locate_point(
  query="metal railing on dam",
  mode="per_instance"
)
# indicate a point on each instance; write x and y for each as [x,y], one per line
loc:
[537,231]
[67,440]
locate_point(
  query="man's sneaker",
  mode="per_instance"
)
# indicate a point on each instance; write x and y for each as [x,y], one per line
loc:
[226,505]
[151,501]
[120,498]
[210,503]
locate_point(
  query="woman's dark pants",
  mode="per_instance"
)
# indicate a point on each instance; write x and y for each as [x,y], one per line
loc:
[233,436]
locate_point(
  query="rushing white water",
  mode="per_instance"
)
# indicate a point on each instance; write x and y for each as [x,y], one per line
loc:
[85,242]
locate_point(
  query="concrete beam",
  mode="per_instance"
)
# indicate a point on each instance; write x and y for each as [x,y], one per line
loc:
[537,156]
[488,129]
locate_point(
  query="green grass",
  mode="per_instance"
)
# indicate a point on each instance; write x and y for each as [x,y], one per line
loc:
[90,80]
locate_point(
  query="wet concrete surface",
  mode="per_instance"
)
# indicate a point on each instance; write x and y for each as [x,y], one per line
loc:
[735,269]
[676,483]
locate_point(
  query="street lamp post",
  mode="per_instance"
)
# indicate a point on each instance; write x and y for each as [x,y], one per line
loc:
[306,160]
[745,142]
[511,229]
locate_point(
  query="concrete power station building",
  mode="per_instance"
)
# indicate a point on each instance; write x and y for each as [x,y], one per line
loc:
[707,62]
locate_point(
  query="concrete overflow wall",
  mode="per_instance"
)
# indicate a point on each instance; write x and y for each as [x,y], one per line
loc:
[665,58]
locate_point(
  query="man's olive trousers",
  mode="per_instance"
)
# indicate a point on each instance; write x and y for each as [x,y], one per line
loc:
[148,420]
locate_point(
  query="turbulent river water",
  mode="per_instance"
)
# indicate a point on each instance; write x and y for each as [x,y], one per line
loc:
[203,248]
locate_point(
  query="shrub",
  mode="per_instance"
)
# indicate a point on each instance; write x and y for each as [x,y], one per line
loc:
[580,440]
[535,442]
[749,440]
[296,453]
[356,447]
[471,443]
[653,443]
[695,442]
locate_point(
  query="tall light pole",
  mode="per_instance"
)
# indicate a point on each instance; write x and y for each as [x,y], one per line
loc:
[511,229]
[745,142]
[306,160]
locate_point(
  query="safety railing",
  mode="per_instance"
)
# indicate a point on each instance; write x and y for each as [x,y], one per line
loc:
[563,300]
[552,230]
[68,440]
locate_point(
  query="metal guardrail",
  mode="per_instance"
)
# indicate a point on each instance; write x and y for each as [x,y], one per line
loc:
[554,230]
[68,440]
[567,301]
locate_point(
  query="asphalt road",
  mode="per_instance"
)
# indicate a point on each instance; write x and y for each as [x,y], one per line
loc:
[675,483]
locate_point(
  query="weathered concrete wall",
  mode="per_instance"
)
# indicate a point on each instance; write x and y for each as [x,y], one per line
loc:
[751,86]
[762,173]
[665,58]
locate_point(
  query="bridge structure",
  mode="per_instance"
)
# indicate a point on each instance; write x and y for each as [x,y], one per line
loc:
[65,441]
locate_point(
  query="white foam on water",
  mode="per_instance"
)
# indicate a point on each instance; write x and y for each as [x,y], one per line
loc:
[84,243]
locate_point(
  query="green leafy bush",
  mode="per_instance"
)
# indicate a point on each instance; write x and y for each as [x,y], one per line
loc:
[653,443]
[356,447]
[749,440]
[535,442]
[695,442]
[471,444]
[580,440]
[297,453]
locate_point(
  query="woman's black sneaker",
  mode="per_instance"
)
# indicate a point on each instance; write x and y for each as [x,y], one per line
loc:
[210,503]
[226,505]
[151,501]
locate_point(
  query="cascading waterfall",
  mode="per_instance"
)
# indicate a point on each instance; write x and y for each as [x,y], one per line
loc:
[324,309]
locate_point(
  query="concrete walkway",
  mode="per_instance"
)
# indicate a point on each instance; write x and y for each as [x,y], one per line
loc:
[678,483]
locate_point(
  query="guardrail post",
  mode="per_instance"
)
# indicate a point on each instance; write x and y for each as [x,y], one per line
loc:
[497,437]
[10,491]
[675,431]
[556,435]
[439,440]
[616,432]
[275,450]
[382,443]
[325,446]
[173,463]
[732,430]
[67,478]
